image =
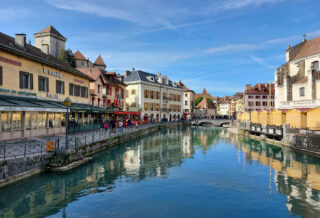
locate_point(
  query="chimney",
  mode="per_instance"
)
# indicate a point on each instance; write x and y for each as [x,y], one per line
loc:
[90,70]
[304,37]
[127,73]
[259,86]
[20,39]
[248,86]
[158,74]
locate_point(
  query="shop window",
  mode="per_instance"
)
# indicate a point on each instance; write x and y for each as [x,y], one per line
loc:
[28,120]
[59,87]
[42,120]
[6,121]
[57,119]
[301,92]
[51,120]
[108,102]
[16,121]
[26,80]
[43,84]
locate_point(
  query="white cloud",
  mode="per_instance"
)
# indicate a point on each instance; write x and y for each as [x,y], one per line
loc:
[160,13]
[262,62]
[13,13]
[239,4]
[231,48]
[260,45]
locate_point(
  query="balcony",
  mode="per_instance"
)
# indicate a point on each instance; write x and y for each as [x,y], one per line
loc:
[300,103]
[165,110]
[165,98]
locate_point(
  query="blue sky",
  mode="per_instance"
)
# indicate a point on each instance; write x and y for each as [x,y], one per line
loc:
[218,44]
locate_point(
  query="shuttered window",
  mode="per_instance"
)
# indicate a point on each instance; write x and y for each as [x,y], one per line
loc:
[43,83]
[77,91]
[59,87]
[71,89]
[1,78]
[25,80]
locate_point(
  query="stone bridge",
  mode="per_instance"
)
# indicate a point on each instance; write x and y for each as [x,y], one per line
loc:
[214,122]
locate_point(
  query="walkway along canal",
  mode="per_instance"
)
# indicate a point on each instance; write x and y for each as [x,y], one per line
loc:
[176,172]
[21,159]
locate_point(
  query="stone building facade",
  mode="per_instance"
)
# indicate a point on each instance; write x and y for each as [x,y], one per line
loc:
[298,80]
[50,41]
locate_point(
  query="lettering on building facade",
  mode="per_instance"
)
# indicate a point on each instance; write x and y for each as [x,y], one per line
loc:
[10,61]
[52,73]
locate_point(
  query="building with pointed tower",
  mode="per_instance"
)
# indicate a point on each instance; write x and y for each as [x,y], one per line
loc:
[81,61]
[50,41]
[100,63]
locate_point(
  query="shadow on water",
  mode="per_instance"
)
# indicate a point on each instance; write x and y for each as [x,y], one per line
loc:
[295,175]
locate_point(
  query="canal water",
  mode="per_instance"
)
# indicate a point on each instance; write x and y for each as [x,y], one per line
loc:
[186,172]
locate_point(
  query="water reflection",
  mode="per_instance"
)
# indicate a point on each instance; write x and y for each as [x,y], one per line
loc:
[295,175]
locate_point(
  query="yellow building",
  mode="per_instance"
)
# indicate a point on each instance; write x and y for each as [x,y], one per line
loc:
[277,117]
[313,121]
[255,117]
[33,86]
[297,118]
[264,117]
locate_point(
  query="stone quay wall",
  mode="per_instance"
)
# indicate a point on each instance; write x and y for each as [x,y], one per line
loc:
[13,170]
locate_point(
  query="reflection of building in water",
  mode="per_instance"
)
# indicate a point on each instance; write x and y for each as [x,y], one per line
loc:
[206,137]
[296,175]
[186,144]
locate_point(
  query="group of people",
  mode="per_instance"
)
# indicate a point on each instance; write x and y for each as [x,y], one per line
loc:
[117,125]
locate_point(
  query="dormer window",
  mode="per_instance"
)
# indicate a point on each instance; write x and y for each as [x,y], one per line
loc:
[150,78]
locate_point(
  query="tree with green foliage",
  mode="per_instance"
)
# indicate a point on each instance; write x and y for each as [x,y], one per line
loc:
[197,100]
[210,100]
[68,57]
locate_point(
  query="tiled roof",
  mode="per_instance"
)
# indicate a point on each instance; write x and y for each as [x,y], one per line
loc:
[305,49]
[94,73]
[99,61]
[260,88]
[204,94]
[79,56]
[7,43]
[138,75]
[303,80]
[50,29]
[205,104]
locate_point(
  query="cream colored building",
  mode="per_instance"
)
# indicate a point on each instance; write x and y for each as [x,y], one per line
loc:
[155,96]
[298,80]
[188,98]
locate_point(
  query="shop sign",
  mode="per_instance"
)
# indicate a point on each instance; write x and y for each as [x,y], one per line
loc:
[55,96]
[52,73]
[10,61]
[79,81]
[12,91]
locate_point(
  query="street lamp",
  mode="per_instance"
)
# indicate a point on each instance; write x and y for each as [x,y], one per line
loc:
[67,102]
